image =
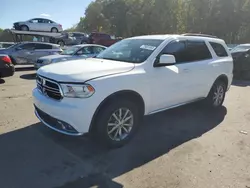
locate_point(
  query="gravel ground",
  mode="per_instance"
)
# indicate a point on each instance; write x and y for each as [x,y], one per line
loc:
[185,147]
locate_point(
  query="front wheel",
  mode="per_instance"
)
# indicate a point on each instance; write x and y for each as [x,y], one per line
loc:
[24,28]
[216,95]
[117,123]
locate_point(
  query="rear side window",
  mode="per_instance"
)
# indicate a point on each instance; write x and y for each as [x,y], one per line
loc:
[43,46]
[219,49]
[197,51]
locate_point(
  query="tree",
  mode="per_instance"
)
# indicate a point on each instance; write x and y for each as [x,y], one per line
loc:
[227,19]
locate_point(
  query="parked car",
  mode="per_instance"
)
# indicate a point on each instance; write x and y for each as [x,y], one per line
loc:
[102,39]
[108,95]
[38,24]
[71,53]
[70,38]
[29,52]
[6,67]
[241,57]
[6,44]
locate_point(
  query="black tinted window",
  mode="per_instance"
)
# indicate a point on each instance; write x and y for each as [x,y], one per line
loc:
[177,49]
[197,51]
[43,46]
[219,49]
[28,46]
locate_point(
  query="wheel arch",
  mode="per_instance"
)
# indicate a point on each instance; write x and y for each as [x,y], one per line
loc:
[223,78]
[123,94]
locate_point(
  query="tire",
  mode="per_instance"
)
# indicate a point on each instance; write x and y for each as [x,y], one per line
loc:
[24,28]
[107,127]
[216,95]
[61,43]
[54,30]
[84,42]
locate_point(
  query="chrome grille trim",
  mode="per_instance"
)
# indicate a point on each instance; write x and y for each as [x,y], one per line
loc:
[49,91]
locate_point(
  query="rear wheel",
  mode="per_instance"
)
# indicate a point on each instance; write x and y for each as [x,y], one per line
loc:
[117,123]
[24,28]
[216,95]
[54,30]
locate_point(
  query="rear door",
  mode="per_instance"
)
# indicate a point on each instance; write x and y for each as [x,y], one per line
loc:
[198,59]
[41,50]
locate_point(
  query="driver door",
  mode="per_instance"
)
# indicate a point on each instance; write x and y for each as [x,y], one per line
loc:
[172,82]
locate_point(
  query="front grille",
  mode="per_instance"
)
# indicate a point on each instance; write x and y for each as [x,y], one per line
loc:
[39,61]
[48,88]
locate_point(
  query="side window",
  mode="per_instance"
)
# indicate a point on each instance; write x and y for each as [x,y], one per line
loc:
[28,46]
[97,49]
[177,49]
[34,21]
[197,51]
[85,51]
[219,49]
[43,46]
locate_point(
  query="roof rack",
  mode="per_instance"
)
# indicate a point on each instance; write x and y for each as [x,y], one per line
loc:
[198,35]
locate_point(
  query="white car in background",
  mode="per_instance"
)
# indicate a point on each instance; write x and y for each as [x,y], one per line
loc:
[38,24]
[71,53]
[109,94]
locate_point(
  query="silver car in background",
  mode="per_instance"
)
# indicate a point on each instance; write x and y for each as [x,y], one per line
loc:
[29,52]
[38,24]
[71,53]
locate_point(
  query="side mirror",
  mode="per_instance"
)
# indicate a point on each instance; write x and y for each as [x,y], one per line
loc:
[166,60]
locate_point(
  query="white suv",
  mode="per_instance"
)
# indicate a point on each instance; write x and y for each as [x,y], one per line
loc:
[108,95]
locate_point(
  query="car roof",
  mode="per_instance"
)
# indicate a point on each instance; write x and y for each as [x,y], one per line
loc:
[247,45]
[27,42]
[173,36]
[82,45]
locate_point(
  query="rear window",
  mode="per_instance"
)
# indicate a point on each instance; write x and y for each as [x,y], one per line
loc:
[219,49]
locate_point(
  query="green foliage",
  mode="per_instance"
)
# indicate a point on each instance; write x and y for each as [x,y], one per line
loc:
[228,19]
[1,30]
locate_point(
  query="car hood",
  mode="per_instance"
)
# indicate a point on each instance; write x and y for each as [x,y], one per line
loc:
[83,70]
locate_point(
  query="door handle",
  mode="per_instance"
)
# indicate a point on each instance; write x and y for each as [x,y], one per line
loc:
[186,70]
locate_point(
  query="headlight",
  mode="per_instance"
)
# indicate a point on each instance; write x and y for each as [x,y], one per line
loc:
[77,91]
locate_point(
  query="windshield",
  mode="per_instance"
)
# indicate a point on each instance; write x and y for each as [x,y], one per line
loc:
[240,48]
[131,50]
[71,50]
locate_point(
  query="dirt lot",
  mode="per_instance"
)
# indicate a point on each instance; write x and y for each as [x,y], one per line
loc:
[185,147]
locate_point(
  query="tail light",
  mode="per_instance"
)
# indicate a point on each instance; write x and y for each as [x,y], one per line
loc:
[60,25]
[6,59]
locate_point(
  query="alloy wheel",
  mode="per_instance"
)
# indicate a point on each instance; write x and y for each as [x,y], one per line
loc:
[120,124]
[218,95]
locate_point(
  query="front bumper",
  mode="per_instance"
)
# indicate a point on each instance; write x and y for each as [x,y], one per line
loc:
[75,112]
